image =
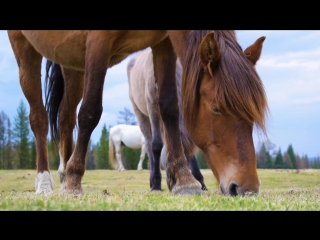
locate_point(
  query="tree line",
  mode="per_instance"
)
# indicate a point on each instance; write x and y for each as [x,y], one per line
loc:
[18,149]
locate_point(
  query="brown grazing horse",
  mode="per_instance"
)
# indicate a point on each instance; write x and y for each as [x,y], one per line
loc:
[222,98]
[144,98]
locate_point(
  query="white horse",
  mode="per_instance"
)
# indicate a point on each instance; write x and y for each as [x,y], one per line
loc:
[125,135]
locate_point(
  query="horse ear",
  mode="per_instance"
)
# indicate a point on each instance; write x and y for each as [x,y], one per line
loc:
[209,51]
[253,52]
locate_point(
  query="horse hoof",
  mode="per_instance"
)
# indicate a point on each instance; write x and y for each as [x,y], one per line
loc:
[187,191]
[156,190]
[71,191]
[204,188]
[44,183]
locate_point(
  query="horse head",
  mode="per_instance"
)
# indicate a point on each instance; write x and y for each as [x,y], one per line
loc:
[230,99]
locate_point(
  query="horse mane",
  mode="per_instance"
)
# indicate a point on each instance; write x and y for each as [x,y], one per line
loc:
[237,86]
[185,137]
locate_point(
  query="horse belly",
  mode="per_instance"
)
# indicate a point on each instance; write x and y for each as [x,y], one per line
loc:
[130,135]
[61,46]
[142,83]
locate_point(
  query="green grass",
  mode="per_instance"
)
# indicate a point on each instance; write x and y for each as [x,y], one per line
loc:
[110,190]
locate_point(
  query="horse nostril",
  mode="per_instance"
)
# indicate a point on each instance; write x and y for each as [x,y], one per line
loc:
[233,189]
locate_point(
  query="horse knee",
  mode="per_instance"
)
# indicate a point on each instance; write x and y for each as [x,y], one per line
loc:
[157,147]
[38,121]
[89,118]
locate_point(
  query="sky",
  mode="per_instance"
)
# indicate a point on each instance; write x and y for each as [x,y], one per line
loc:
[289,67]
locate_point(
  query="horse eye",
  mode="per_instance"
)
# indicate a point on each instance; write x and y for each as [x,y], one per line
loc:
[216,110]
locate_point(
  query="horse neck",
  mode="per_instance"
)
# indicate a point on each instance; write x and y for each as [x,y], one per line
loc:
[179,40]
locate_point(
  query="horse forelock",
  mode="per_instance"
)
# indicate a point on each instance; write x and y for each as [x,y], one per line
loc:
[238,87]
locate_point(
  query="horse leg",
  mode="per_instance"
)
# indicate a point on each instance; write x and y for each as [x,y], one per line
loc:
[73,89]
[142,156]
[195,170]
[119,148]
[152,145]
[179,178]
[157,145]
[29,62]
[96,64]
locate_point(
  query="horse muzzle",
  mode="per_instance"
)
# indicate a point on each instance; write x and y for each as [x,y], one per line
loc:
[234,189]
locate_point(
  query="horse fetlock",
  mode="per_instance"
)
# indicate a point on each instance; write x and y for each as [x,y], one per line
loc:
[121,169]
[44,183]
[61,175]
[184,183]
[155,184]
[204,187]
[72,185]
[140,168]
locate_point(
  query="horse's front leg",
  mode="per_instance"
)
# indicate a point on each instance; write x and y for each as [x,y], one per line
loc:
[73,89]
[96,63]
[29,62]
[179,178]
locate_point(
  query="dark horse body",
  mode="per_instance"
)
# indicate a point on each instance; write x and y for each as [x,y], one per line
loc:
[144,98]
[221,92]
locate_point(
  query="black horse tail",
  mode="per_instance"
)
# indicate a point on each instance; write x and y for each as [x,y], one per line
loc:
[54,88]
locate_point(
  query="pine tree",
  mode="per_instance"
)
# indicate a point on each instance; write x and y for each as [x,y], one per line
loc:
[306,163]
[21,135]
[287,161]
[33,153]
[90,160]
[9,146]
[279,160]
[3,138]
[269,163]
[262,157]
[103,150]
[292,156]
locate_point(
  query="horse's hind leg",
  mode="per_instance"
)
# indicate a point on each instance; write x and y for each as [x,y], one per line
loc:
[98,48]
[179,178]
[153,146]
[142,156]
[157,145]
[29,62]
[73,89]
[119,148]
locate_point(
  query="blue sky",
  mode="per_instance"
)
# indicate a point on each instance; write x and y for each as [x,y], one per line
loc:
[289,68]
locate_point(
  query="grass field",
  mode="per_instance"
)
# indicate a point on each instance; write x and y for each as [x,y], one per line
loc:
[110,190]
